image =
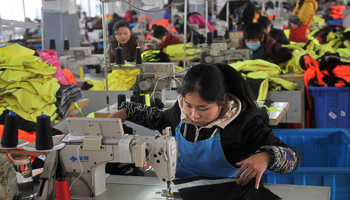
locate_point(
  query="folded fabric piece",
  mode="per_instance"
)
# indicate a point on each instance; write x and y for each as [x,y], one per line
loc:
[202,188]
[27,86]
[10,75]
[65,96]
[51,57]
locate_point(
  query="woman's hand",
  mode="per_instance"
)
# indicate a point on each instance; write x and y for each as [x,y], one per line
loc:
[251,167]
[149,46]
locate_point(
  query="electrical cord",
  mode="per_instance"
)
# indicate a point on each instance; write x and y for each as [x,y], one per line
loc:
[81,167]
[149,10]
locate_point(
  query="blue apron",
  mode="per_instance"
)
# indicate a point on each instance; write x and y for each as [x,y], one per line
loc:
[202,158]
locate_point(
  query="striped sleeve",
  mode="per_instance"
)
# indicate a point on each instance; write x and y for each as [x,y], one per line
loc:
[284,160]
[143,115]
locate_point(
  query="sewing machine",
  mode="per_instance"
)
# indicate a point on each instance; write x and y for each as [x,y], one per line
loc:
[219,52]
[92,142]
[79,57]
[154,79]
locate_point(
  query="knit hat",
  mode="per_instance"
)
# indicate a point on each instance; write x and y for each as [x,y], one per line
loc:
[294,19]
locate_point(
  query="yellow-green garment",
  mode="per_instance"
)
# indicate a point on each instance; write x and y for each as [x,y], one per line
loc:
[29,87]
[119,80]
[177,50]
[261,69]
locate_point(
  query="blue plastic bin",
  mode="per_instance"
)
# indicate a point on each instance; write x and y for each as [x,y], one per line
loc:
[336,21]
[325,160]
[332,106]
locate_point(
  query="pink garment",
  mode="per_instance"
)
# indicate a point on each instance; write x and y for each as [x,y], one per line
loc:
[52,58]
[198,19]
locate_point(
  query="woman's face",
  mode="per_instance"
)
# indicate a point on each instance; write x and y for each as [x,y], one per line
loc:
[123,35]
[200,111]
[163,39]
[268,29]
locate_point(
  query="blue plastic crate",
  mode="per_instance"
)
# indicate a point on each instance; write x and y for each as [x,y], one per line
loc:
[336,21]
[332,106]
[325,160]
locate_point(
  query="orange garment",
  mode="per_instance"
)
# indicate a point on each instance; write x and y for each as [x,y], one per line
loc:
[70,76]
[336,12]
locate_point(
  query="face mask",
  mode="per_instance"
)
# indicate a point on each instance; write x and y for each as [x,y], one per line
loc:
[253,46]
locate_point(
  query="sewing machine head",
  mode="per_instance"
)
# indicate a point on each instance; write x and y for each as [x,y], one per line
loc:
[93,142]
[155,78]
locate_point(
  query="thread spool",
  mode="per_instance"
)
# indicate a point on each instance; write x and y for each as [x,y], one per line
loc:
[10,133]
[119,56]
[52,44]
[66,44]
[43,133]
[62,189]
[194,38]
[121,99]
[147,100]
[227,35]
[142,99]
[209,38]
[138,55]
[134,98]
[215,34]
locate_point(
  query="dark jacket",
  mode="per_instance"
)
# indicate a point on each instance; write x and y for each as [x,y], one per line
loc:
[279,36]
[129,48]
[241,137]
[274,52]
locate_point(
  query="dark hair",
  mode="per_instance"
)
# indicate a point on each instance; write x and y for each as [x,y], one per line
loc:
[264,22]
[121,23]
[211,82]
[253,31]
[158,31]
[207,81]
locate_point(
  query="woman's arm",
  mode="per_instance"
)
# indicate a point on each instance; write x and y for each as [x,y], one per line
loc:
[120,114]
[269,153]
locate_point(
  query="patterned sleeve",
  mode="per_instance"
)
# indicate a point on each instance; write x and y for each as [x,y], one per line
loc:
[143,115]
[284,160]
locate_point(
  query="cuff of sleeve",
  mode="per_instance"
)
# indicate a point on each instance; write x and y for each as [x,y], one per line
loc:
[271,151]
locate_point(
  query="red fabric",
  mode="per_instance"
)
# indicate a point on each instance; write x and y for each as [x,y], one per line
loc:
[51,57]
[70,77]
[171,39]
[128,16]
[299,34]
[198,19]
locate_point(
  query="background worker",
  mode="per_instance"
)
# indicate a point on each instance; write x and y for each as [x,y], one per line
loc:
[165,38]
[125,38]
[263,46]
[275,33]
[301,20]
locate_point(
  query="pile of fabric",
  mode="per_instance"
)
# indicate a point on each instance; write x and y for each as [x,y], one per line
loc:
[26,82]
